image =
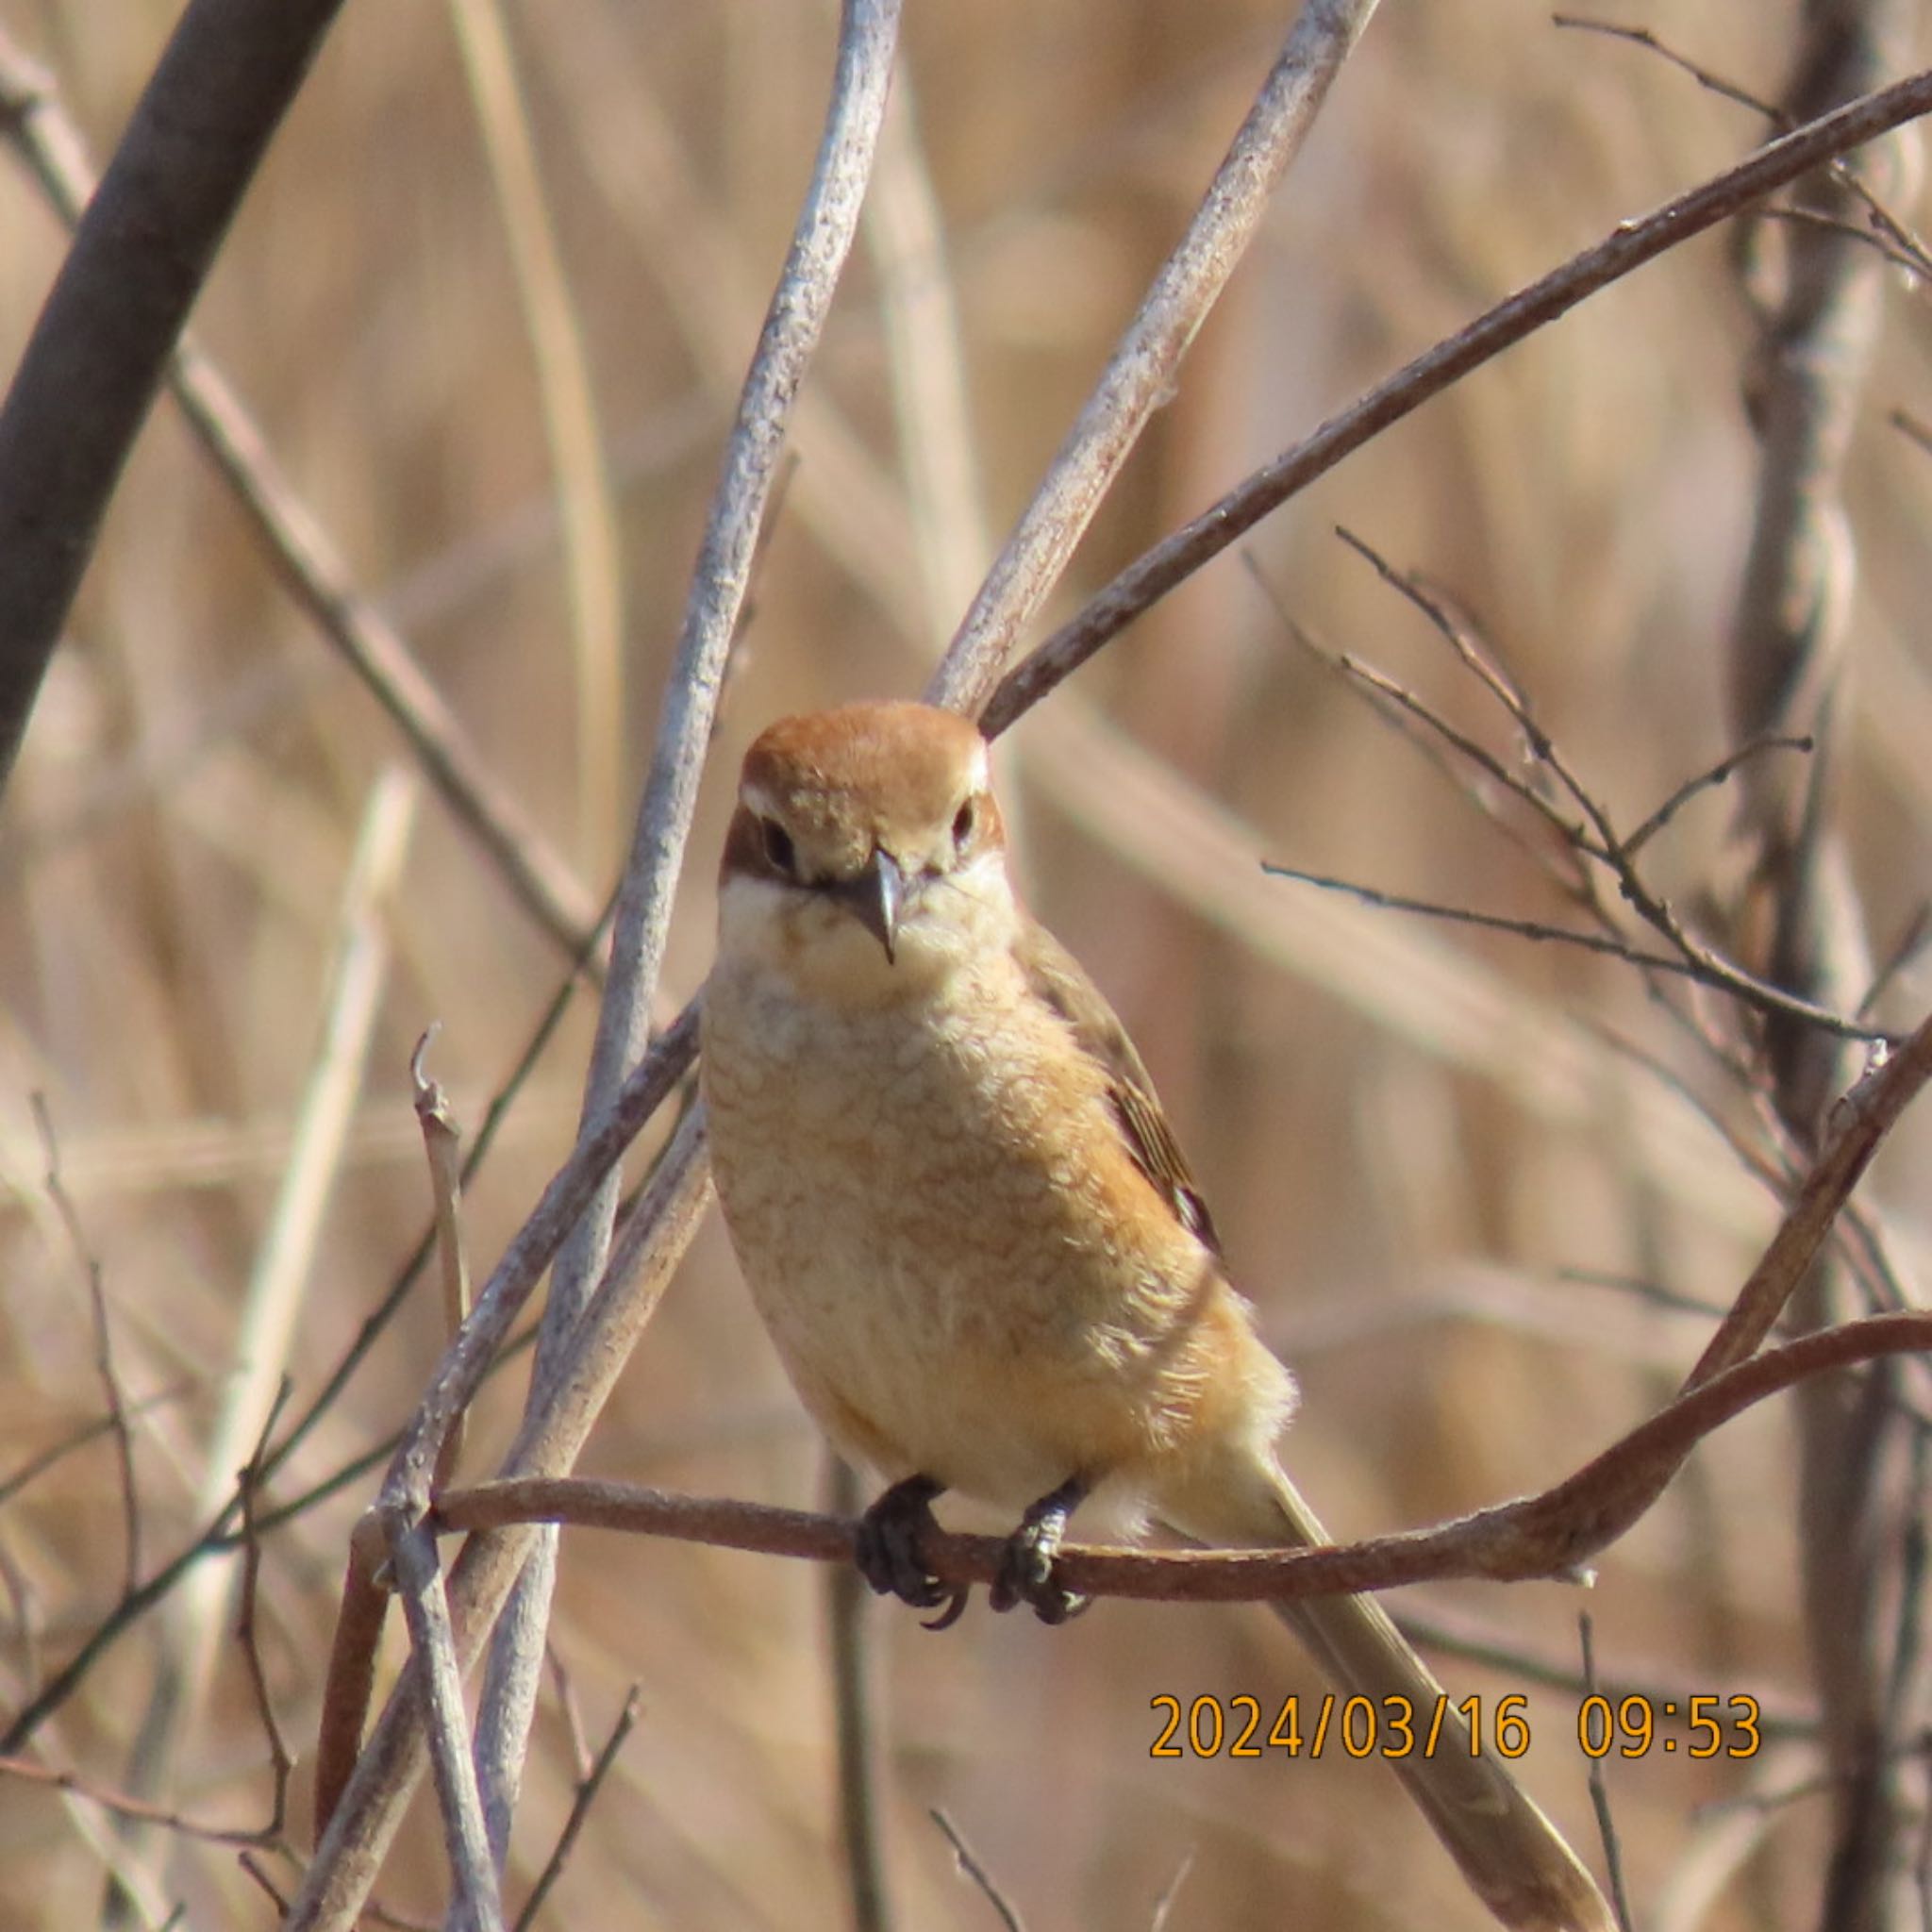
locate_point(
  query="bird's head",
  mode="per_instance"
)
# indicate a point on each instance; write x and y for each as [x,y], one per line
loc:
[867,855]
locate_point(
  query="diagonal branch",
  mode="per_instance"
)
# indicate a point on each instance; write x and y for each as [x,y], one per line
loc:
[1629,247]
[1140,375]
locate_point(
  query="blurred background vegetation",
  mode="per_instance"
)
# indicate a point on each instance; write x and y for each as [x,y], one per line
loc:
[1435,1173]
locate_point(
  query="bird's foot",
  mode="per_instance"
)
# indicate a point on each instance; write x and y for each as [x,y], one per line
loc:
[888,1551]
[1026,1566]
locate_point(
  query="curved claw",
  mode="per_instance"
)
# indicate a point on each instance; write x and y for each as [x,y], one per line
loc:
[954,1609]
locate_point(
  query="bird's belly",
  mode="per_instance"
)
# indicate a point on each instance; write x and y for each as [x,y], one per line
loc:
[928,1271]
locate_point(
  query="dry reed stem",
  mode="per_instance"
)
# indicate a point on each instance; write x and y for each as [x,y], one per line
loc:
[193,1625]
[926,361]
[475,1904]
[828,225]
[593,574]
[854,1661]
[1820,314]
[350,1853]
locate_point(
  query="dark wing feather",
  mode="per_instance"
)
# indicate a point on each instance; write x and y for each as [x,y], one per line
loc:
[1061,982]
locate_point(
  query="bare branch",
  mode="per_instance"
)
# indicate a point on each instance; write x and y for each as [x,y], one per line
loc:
[418,1572]
[1142,372]
[1699,964]
[976,1872]
[104,1344]
[1552,1534]
[1629,247]
[588,1785]
[1599,1790]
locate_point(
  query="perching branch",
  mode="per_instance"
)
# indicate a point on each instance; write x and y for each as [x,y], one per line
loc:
[1550,1533]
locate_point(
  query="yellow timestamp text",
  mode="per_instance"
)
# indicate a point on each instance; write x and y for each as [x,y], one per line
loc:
[1700,1726]
[1398,1728]
[1393,1728]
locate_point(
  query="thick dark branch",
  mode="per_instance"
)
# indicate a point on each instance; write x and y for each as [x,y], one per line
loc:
[138,262]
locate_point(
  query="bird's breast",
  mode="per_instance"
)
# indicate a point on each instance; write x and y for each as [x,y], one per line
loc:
[944,1233]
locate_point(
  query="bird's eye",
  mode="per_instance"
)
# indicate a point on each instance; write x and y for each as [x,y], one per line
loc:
[964,822]
[779,850]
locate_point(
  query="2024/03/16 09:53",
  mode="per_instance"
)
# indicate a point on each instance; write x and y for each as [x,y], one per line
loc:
[1702,1727]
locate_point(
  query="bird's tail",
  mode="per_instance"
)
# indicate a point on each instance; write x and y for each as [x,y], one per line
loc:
[1511,1855]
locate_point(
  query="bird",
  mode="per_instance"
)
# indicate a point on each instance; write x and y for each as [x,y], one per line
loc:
[974,1242]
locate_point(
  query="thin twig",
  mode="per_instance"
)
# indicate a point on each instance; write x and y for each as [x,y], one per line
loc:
[977,1873]
[126,1805]
[585,1796]
[1707,780]
[1599,1790]
[1601,840]
[1911,941]
[1448,751]
[116,1420]
[282,1762]
[442,1148]
[569,1711]
[1897,240]
[1701,966]
[37,1465]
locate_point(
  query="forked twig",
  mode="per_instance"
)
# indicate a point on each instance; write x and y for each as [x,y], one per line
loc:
[116,1421]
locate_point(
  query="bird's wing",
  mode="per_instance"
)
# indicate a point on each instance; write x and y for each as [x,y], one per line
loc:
[1059,979]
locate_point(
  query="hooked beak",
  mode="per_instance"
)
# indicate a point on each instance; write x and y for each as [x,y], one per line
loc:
[874,897]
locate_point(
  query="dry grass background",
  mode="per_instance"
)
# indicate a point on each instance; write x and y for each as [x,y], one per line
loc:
[1407,1134]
